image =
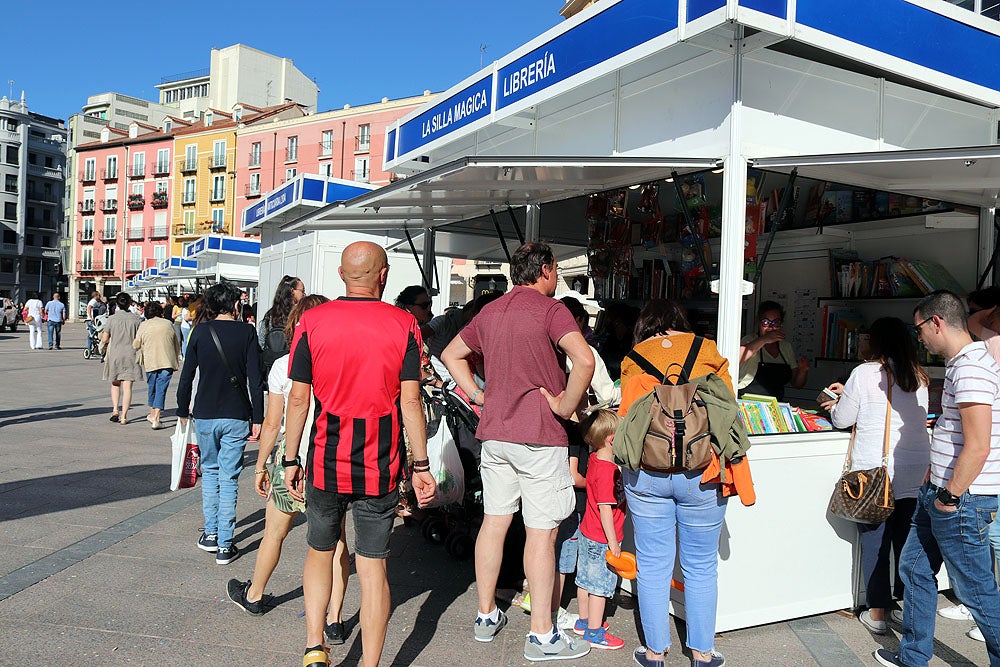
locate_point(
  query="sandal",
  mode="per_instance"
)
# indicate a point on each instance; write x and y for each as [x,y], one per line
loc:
[316,657]
[122,419]
[114,417]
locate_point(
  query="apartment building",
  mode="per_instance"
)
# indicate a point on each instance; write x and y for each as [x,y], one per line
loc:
[32,172]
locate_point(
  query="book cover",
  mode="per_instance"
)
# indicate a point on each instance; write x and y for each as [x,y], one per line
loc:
[936,276]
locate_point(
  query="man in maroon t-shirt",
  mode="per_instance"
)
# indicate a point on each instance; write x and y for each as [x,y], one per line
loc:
[360,358]
[525,465]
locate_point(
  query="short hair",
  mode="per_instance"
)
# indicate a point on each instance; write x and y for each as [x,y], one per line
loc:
[409,295]
[123,299]
[945,305]
[770,305]
[153,309]
[598,425]
[220,299]
[527,261]
[988,297]
[659,316]
[575,308]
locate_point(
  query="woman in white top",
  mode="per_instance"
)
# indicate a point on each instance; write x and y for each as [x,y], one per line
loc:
[282,509]
[862,404]
[34,322]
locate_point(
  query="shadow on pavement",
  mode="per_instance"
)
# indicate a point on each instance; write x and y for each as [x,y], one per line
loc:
[6,414]
[38,416]
[56,493]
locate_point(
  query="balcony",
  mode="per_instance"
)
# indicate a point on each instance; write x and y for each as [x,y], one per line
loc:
[87,206]
[362,143]
[159,200]
[134,265]
[7,135]
[217,162]
[137,171]
[189,166]
[134,234]
[161,169]
[183,229]
[109,234]
[361,175]
[94,267]
[109,205]
[189,198]
[136,203]
[8,247]
[217,227]
[158,232]
[218,196]
[109,174]
[326,148]
[88,177]
[292,154]
[43,198]
[254,160]
[86,236]
[46,172]
[252,192]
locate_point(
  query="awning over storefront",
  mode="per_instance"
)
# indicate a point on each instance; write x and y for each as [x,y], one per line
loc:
[233,258]
[968,176]
[299,196]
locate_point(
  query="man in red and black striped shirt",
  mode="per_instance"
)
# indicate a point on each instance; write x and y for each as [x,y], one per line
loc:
[360,360]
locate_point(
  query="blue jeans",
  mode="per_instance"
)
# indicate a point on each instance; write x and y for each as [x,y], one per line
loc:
[961,540]
[221,443]
[664,509]
[55,333]
[156,387]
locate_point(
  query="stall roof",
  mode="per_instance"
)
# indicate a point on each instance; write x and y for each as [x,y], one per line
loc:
[959,175]
[469,187]
[300,195]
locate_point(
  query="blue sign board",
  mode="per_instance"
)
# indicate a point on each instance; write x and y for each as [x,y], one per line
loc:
[777,8]
[390,146]
[466,106]
[303,190]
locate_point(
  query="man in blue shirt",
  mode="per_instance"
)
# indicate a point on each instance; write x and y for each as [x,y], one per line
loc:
[55,311]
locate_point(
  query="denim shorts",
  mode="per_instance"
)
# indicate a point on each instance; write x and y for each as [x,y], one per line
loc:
[373,520]
[567,539]
[593,574]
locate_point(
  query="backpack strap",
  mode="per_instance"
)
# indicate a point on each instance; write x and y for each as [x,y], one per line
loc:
[684,376]
[646,365]
[691,359]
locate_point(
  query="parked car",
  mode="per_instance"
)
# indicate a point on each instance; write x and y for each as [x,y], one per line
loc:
[10,316]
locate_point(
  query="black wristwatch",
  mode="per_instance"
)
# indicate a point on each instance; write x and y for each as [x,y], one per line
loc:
[946,497]
[290,464]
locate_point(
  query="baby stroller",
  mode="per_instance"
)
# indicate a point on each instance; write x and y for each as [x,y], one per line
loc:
[93,346]
[455,523]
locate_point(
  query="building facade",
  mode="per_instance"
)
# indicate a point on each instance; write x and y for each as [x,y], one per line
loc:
[32,176]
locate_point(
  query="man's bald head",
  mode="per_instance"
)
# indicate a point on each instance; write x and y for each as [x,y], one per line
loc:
[363,268]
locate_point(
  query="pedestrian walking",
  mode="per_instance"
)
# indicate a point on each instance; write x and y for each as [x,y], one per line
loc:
[228,409]
[34,321]
[360,359]
[55,315]
[159,349]
[120,365]
[958,502]
[271,333]
[524,456]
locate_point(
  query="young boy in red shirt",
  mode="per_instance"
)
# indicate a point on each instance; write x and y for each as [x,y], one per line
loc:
[600,530]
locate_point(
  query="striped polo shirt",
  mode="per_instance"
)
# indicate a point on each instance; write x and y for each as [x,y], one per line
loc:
[355,353]
[971,376]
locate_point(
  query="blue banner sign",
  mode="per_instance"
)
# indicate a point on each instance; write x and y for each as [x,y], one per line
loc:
[462,108]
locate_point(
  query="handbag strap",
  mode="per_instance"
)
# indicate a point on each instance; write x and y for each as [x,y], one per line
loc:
[885,435]
[233,379]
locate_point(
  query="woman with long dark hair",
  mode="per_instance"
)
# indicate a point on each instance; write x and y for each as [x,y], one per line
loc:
[862,404]
[270,333]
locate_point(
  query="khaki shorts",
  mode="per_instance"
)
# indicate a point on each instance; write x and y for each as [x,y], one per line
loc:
[534,478]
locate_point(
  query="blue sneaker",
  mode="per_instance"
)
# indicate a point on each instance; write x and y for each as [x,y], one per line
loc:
[580,627]
[486,630]
[718,660]
[208,542]
[603,639]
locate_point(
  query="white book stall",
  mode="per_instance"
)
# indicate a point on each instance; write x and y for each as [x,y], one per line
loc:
[777,150]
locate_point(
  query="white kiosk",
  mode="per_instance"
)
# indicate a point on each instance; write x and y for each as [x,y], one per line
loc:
[899,95]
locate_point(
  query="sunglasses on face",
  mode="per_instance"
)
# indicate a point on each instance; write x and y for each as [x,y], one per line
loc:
[770,323]
[421,304]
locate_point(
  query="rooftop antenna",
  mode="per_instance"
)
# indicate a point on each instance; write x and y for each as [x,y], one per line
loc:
[482,52]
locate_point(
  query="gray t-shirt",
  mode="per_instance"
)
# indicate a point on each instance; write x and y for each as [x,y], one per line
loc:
[445,328]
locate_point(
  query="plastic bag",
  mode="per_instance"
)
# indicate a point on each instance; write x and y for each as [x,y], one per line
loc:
[184,457]
[445,463]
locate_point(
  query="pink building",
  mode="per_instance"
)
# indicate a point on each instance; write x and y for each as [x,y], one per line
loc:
[124,190]
[347,143]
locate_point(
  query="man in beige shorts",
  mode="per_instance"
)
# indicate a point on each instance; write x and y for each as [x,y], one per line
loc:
[524,459]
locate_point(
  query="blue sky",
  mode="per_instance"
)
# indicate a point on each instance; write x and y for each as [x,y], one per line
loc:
[358,52]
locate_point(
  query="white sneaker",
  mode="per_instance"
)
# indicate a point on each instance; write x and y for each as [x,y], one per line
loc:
[975,633]
[897,616]
[566,620]
[956,612]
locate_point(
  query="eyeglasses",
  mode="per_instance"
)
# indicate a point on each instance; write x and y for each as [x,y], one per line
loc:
[421,304]
[916,327]
[771,323]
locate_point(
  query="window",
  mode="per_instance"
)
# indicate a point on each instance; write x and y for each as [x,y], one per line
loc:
[112,170]
[326,169]
[10,183]
[191,156]
[364,136]
[292,152]
[109,259]
[160,224]
[361,169]
[109,228]
[189,185]
[137,188]
[49,162]
[138,164]
[255,154]
[32,158]
[90,169]
[219,153]
[326,145]
[159,253]
[209,117]
[110,197]
[135,226]
[163,161]
[161,186]
[12,157]
[46,241]
[87,259]
[10,211]
[188,223]
[29,239]
[219,220]
[135,258]
[218,187]
[168,125]
[255,184]
[290,174]
[88,229]
[47,215]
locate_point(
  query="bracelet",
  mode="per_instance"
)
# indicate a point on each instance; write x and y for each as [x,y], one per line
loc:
[421,462]
[478,392]
[427,469]
[294,463]
[260,472]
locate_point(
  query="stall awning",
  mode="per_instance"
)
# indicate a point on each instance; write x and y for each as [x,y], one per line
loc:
[468,188]
[968,176]
[300,195]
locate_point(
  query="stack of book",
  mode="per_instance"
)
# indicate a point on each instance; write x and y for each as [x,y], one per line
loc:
[765,414]
[851,277]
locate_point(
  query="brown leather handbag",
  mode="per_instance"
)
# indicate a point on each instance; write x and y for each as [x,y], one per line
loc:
[865,496]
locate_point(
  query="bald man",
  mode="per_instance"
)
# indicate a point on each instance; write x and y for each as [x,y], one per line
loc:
[366,395]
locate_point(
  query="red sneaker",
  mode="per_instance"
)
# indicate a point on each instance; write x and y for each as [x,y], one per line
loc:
[603,639]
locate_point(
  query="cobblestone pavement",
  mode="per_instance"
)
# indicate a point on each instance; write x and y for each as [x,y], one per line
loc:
[98,564]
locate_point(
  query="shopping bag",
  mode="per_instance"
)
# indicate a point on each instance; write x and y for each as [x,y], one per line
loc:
[445,464]
[184,457]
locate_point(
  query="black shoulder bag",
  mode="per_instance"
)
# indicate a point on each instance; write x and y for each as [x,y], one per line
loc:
[240,387]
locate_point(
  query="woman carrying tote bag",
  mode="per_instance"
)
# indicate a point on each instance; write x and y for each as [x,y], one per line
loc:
[862,404]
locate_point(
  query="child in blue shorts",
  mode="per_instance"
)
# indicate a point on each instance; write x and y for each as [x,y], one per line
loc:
[601,530]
